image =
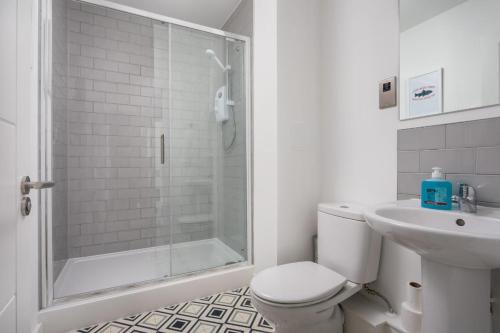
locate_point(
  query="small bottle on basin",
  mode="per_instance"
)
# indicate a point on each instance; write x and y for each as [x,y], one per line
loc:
[436,191]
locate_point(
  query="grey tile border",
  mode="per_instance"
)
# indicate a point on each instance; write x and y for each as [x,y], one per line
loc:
[456,136]
[468,152]
[488,186]
[432,137]
[409,183]
[408,196]
[451,160]
[476,133]
[407,139]
[488,161]
[408,161]
[489,204]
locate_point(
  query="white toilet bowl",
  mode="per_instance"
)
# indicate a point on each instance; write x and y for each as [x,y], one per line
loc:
[302,297]
[318,318]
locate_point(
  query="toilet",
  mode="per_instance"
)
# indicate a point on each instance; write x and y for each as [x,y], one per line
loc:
[304,296]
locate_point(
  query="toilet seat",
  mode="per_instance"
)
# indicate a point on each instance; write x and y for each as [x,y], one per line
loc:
[295,284]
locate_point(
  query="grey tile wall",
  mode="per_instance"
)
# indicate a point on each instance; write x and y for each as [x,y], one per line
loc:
[468,152]
[59,135]
[232,219]
[116,102]
[232,187]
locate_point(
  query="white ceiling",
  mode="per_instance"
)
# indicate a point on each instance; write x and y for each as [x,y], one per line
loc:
[413,12]
[212,13]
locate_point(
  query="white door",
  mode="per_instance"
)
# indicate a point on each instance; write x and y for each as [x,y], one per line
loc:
[18,157]
[8,194]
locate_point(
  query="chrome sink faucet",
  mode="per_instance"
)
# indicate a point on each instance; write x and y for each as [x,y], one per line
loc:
[466,199]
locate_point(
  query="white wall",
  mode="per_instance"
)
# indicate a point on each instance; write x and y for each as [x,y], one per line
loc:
[265,139]
[213,13]
[27,106]
[241,21]
[8,188]
[464,41]
[359,47]
[286,130]
[298,127]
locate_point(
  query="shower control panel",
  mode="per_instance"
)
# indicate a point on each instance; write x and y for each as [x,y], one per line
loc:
[222,105]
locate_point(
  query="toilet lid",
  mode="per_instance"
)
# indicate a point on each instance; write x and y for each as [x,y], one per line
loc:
[298,282]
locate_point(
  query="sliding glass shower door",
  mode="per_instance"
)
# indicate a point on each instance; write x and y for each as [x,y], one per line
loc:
[144,129]
[207,150]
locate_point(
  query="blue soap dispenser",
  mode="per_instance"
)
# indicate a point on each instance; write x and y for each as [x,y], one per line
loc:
[436,191]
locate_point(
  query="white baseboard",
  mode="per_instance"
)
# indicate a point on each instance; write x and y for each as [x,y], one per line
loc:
[38,328]
[365,316]
[81,313]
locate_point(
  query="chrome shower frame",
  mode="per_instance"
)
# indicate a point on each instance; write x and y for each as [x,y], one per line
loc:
[45,118]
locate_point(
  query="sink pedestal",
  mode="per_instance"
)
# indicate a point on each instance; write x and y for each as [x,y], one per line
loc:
[455,300]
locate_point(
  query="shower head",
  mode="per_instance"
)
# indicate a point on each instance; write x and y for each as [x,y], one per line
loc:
[212,55]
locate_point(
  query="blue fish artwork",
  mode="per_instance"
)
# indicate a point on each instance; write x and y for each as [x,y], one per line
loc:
[423,93]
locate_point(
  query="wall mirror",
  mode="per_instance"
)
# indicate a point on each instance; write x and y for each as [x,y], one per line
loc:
[449,56]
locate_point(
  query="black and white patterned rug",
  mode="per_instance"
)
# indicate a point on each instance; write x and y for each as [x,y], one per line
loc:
[228,312]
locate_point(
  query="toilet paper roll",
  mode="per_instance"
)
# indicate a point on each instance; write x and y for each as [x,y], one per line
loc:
[411,319]
[414,296]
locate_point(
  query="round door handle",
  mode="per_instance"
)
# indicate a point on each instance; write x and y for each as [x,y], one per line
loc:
[25,206]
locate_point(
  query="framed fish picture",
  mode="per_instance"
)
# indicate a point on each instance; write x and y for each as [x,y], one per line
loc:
[425,94]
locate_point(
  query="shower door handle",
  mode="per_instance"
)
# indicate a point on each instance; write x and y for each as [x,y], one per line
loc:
[162,149]
[27,185]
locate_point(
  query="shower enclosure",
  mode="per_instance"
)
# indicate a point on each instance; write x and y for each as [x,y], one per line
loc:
[145,130]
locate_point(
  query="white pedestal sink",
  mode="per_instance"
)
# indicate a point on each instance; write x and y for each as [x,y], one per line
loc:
[458,252]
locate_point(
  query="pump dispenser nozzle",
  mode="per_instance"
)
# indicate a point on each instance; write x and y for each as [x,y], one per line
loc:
[437,173]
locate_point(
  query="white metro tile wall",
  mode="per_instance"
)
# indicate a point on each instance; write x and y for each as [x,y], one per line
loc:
[232,220]
[232,223]
[120,197]
[59,135]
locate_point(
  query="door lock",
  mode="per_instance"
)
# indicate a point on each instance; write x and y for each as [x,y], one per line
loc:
[26,186]
[25,206]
